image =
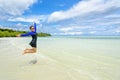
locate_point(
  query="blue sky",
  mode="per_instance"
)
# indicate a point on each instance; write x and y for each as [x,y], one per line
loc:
[62,17]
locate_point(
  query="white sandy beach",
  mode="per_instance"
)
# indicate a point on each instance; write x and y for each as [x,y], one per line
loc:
[60,59]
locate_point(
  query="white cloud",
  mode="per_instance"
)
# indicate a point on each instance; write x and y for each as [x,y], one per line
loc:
[35,18]
[66,29]
[92,32]
[113,16]
[10,8]
[15,7]
[83,8]
[19,24]
[73,28]
[104,21]
[73,33]
[68,33]
[118,31]
[24,20]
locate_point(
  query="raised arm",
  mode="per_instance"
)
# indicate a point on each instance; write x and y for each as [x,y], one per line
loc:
[35,27]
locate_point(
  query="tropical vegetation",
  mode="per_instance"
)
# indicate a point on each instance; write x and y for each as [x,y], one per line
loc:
[13,33]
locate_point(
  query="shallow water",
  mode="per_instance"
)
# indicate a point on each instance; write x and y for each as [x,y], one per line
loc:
[61,58]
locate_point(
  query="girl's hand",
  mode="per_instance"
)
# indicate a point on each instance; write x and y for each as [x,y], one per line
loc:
[18,35]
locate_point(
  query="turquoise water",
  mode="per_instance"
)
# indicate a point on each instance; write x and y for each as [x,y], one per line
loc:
[95,58]
[69,58]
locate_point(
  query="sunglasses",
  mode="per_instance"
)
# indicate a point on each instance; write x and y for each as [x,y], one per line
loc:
[32,28]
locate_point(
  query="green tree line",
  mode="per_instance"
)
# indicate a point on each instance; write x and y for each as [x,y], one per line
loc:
[13,33]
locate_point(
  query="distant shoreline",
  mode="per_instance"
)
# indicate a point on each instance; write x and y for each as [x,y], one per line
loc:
[79,37]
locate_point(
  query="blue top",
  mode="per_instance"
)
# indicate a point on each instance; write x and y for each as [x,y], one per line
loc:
[30,33]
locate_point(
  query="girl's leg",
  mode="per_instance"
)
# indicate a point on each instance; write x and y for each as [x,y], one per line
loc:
[33,50]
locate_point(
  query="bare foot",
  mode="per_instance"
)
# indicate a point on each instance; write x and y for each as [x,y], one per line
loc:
[25,51]
[29,51]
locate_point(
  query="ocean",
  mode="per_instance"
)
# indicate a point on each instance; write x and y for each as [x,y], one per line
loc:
[61,58]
